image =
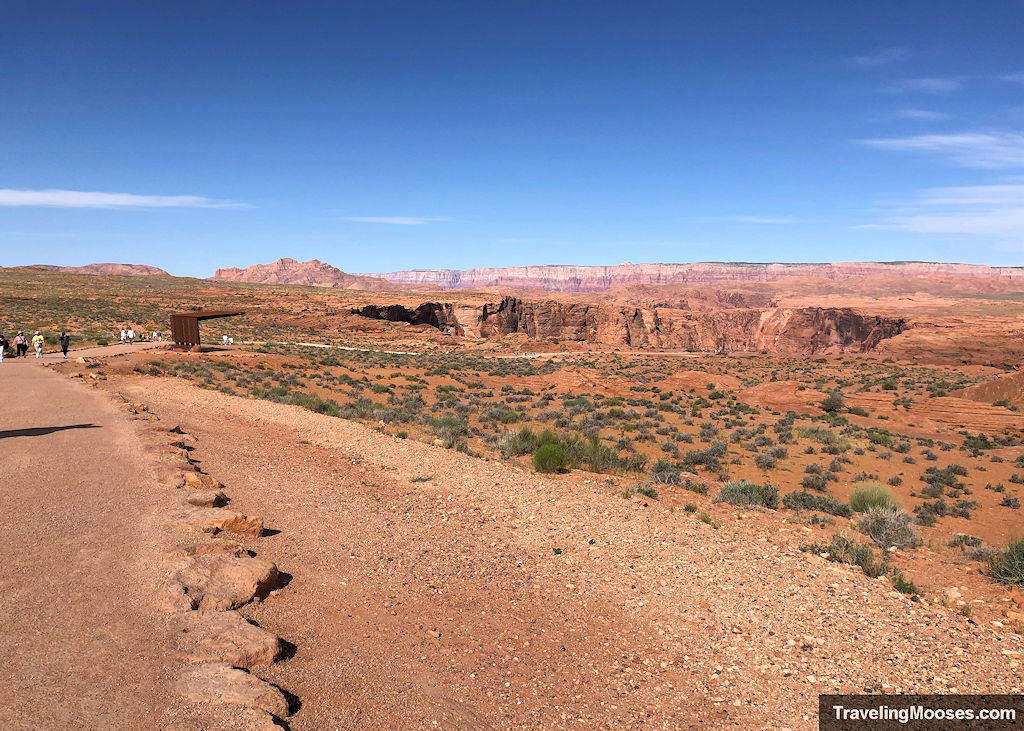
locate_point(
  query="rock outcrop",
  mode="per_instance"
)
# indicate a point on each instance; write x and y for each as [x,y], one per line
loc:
[313,273]
[106,269]
[557,278]
[775,329]
[436,314]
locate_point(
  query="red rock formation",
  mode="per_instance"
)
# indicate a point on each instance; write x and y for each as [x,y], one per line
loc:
[791,330]
[597,278]
[313,273]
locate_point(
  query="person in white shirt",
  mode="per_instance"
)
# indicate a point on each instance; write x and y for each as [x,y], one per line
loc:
[131,336]
[123,335]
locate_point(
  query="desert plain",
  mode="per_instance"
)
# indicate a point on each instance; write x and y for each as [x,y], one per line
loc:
[566,499]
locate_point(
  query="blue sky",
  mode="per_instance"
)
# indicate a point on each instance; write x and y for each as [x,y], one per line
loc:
[390,135]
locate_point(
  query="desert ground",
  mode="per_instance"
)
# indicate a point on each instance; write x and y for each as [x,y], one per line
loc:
[653,507]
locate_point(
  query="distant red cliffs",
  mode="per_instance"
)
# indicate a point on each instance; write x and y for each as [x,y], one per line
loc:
[558,278]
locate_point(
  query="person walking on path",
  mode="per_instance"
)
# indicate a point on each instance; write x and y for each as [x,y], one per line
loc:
[37,343]
[3,347]
[21,346]
[131,335]
[124,335]
[65,342]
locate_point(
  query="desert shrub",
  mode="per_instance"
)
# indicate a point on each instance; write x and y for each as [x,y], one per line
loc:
[518,443]
[814,482]
[708,458]
[764,461]
[665,472]
[698,487]
[1008,567]
[888,526]
[833,402]
[980,441]
[803,500]
[449,429]
[880,437]
[871,495]
[316,404]
[858,410]
[743,493]
[647,491]
[599,457]
[895,480]
[550,458]
[1010,502]
[904,585]
[945,477]
[841,549]
[964,540]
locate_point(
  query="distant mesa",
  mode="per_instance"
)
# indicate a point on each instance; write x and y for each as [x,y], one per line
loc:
[565,278]
[106,269]
[313,273]
[570,278]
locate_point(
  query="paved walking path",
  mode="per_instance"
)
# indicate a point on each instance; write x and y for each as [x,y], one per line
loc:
[81,644]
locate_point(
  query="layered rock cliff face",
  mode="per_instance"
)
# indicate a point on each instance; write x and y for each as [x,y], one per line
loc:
[435,314]
[597,278]
[312,273]
[797,330]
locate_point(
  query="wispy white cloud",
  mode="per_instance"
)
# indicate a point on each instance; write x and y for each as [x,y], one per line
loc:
[925,85]
[924,115]
[976,210]
[85,199]
[398,220]
[988,150]
[881,58]
[1014,77]
[764,219]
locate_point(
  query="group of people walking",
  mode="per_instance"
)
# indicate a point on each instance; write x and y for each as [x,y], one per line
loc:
[21,344]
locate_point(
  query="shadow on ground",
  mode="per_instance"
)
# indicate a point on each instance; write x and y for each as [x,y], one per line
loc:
[41,431]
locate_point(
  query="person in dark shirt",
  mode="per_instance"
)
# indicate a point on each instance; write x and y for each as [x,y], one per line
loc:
[65,341]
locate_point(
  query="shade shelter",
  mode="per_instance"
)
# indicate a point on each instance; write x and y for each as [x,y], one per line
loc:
[185,325]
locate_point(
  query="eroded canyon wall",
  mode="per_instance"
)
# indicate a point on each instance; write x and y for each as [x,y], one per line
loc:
[793,330]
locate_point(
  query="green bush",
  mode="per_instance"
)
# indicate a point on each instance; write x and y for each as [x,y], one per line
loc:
[316,404]
[1008,567]
[743,493]
[550,458]
[518,443]
[872,495]
[904,585]
[889,526]
[803,500]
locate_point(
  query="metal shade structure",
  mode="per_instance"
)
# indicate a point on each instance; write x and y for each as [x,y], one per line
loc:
[185,325]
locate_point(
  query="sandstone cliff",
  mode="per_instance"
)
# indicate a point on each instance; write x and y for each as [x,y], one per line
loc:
[313,273]
[790,330]
[557,278]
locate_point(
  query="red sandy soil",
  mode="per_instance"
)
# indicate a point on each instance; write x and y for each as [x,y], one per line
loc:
[445,602]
